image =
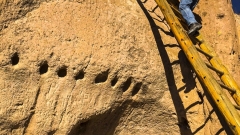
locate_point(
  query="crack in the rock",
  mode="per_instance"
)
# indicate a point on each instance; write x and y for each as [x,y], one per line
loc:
[65,108]
[22,14]
[32,112]
[90,58]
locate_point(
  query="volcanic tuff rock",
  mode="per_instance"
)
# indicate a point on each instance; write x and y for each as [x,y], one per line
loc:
[237,17]
[102,67]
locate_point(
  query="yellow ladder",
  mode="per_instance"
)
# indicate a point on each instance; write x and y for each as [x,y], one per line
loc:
[213,87]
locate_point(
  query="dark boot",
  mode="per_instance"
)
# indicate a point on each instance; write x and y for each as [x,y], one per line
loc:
[193,28]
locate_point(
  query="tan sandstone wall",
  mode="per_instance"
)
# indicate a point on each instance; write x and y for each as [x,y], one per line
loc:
[237,18]
[219,29]
[99,67]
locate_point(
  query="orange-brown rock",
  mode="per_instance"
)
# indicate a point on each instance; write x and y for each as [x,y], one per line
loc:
[105,67]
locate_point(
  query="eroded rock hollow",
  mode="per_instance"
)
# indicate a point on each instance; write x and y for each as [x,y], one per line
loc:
[105,67]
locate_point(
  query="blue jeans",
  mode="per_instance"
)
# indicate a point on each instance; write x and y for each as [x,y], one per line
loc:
[186,7]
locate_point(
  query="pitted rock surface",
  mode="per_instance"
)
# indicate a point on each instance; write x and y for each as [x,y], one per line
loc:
[96,67]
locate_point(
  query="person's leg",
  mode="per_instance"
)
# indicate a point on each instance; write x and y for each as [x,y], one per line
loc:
[194,4]
[185,9]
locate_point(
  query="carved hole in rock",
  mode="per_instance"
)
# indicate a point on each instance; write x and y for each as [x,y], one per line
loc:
[15,59]
[126,84]
[102,77]
[62,72]
[79,128]
[136,88]
[114,81]
[51,132]
[43,68]
[80,75]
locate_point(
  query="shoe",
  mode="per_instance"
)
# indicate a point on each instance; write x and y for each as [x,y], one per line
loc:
[193,28]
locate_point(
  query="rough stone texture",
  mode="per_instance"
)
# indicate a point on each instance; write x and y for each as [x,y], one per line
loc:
[219,28]
[100,67]
[237,18]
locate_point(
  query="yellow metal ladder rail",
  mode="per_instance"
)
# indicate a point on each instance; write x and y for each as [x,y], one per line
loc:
[221,100]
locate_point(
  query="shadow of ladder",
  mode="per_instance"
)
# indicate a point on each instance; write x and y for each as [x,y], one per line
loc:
[215,88]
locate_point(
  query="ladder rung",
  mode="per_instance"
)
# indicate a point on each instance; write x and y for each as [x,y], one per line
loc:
[237,107]
[213,68]
[221,100]
[201,51]
[226,87]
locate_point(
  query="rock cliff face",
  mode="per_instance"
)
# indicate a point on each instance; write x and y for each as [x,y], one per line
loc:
[237,18]
[105,67]
[219,28]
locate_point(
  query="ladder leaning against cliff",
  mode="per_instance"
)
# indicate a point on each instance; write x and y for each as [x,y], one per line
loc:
[214,88]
